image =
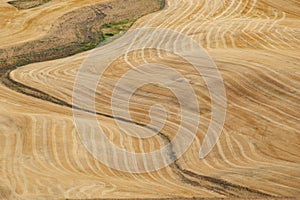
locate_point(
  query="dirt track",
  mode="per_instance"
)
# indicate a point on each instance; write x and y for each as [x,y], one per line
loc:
[255,45]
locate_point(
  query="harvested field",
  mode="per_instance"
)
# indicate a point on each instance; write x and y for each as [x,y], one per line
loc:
[254,44]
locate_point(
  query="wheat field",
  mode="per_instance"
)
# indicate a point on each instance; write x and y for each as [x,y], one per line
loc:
[254,43]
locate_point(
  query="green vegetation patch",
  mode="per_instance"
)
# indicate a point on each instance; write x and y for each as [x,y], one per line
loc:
[162,4]
[116,28]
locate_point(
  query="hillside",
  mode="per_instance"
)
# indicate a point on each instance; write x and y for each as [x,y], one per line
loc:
[44,152]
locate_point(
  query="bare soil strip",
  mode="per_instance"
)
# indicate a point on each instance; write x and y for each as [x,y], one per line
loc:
[27,4]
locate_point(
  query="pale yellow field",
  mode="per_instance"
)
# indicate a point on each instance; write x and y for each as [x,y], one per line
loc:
[255,45]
